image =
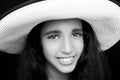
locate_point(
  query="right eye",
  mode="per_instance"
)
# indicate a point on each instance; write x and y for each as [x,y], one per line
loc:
[77,34]
[54,36]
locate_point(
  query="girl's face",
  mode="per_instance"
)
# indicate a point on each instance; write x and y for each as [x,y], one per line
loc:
[62,43]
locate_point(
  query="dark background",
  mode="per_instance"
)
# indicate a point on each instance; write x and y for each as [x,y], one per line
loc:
[8,62]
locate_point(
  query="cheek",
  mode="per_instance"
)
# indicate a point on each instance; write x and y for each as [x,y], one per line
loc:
[50,49]
[79,45]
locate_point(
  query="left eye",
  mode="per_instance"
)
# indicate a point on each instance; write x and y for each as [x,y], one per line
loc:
[77,34]
[53,37]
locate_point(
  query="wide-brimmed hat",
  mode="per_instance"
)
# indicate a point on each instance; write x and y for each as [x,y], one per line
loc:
[102,15]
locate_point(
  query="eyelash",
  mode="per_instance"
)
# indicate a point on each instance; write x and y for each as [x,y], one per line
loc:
[56,36]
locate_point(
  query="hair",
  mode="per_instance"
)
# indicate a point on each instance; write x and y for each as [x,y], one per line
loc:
[92,64]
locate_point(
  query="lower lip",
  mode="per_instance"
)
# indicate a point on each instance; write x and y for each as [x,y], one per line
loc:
[66,61]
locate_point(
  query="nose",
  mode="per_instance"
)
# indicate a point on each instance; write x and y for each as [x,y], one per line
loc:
[67,46]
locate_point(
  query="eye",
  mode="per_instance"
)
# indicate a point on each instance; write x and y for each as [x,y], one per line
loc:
[77,34]
[54,36]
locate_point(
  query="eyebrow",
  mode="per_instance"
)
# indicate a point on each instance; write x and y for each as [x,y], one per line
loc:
[52,32]
[57,31]
[77,30]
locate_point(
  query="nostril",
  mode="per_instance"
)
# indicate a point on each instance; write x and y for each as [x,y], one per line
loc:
[67,51]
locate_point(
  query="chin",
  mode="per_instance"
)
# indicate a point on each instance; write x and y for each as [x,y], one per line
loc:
[67,69]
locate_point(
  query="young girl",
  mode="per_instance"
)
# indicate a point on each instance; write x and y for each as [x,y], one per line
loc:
[61,39]
[62,50]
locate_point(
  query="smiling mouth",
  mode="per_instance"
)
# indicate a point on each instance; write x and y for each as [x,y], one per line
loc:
[66,60]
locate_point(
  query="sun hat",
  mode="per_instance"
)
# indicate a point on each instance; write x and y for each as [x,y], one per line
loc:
[102,15]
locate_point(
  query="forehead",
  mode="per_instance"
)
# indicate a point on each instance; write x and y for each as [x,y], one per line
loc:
[62,24]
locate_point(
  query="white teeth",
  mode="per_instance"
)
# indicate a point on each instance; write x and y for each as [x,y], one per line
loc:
[65,60]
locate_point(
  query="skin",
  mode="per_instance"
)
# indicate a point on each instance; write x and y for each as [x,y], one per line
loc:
[61,39]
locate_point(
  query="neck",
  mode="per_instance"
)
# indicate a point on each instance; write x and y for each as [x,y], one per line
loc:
[54,74]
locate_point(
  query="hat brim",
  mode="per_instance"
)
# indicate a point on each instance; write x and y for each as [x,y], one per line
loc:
[102,15]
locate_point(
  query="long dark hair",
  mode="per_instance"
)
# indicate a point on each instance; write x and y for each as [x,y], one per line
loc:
[92,64]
